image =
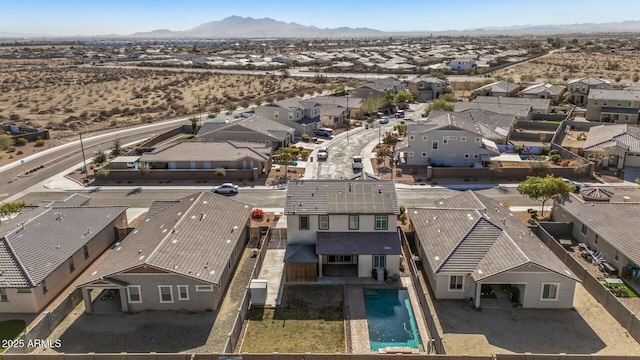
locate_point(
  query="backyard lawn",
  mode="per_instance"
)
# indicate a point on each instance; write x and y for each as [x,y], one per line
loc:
[310,320]
[9,330]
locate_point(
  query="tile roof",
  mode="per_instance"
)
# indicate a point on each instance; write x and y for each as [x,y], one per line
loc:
[341,197]
[301,253]
[255,123]
[194,237]
[76,199]
[486,123]
[470,233]
[499,86]
[208,151]
[295,103]
[622,135]
[358,242]
[610,94]
[499,108]
[44,241]
[613,222]
[352,102]
[429,79]
[590,80]
[535,89]
[534,103]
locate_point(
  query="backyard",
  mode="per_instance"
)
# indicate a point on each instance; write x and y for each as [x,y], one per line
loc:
[10,330]
[310,321]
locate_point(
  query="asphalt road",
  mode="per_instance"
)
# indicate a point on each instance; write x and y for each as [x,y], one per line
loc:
[68,155]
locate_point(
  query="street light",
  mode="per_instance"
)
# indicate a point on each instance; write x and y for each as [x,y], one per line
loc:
[84,160]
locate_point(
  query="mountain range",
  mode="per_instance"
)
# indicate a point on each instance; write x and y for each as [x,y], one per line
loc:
[247,27]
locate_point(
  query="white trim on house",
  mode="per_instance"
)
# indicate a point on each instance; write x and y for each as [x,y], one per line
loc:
[458,287]
[204,288]
[186,288]
[131,301]
[160,287]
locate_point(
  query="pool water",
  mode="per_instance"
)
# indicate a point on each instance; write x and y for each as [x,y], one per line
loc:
[390,319]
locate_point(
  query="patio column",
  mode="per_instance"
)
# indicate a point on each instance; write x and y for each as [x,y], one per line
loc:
[476,299]
[123,299]
[87,300]
[319,265]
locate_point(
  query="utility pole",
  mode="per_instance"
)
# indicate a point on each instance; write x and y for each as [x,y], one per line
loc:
[348,118]
[199,111]
[84,160]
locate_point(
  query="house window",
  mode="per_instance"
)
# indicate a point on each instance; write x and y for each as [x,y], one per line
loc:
[304,222]
[379,261]
[354,222]
[583,230]
[44,287]
[412,137]
[434,145]
[411,154]
[333,259]
[382,222]
[183,292]
[425,138]
[72,266]
[420,85]
[166,293]
[476,156]
[85,249]
[133,294]
[276,115]
[424,154]
[455,282]
[463,139]
[204,288]
[3,295]
[24,290]
[549,291]
[478,139]
[323,222]
[466,156]
[445,139]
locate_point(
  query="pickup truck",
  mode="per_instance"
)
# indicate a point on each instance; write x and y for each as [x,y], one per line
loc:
[356,163]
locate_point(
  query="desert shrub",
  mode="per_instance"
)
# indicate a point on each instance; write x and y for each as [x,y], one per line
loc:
[257,214]
[553,152]
[21,142]
[221,172]
[11,149]
[555,158]
[304,154]
[40,143]
[19,152]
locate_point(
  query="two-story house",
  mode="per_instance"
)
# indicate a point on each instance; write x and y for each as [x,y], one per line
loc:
[617,106]
[341,228]
[301,115]
[426,88]
[256,129]
[520,111]
[336,111]
[538,106]
[498,88]
[579,88]
[471,245]
[458,139]
[463,63]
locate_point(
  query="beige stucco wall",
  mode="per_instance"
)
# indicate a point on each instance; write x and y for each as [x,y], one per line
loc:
[451,154]
[337,223]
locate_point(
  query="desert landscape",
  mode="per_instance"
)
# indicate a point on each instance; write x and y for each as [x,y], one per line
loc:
[66,100]
[621,67]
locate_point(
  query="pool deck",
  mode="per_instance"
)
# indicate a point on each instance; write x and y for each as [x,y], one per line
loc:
[356,320]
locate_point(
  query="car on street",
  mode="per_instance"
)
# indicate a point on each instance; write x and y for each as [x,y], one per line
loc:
[384,120]
[400,113]
[575,184]
[226,188]
[323,153]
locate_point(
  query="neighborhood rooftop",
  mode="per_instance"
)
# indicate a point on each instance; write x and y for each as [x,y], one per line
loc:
[193,236]
[477,235]
[208,150]
[613,95]
[341,197]
[622,135]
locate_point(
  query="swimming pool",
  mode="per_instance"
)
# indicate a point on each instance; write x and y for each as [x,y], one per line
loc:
[390,319]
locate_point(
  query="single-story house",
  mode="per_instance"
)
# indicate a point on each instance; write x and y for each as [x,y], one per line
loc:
[256,129]
[619,143]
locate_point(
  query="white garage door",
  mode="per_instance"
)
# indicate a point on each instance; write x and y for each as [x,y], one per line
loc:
[632,160]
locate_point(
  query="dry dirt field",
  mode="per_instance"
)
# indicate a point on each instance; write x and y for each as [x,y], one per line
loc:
[561,66]
[65,100]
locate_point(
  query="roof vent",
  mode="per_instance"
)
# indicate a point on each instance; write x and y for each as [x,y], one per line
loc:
[140,251]
[379,191]
[202,216]
[312,194]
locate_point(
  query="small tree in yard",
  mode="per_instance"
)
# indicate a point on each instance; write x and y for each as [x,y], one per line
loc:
[143,170]
[194,124]
[283,156]
[221,172]
[116,148]
[543,189]
[495,167]
[99,157]
[12,207]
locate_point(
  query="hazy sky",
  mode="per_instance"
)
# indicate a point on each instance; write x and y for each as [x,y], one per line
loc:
[92,17]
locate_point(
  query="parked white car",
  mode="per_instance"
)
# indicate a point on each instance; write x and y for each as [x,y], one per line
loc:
[226,188]
[323,153]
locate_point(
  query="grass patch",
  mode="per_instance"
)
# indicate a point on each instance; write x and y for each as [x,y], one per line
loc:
[312,321]
[11,329]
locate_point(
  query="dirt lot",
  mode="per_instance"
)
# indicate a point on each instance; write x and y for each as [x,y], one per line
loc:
[589,329]
[561,66]
[65,100]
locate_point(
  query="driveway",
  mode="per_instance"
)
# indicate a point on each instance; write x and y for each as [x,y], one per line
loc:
[631,173]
